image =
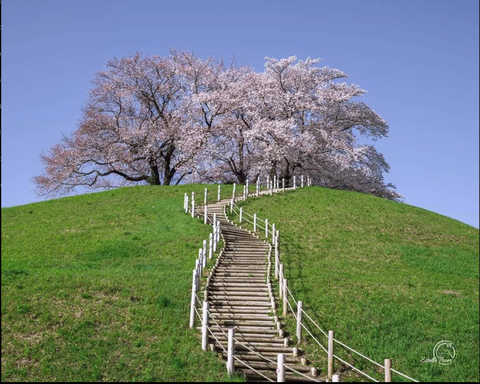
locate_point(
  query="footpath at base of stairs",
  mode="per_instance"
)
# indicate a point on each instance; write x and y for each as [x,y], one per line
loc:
[239,298]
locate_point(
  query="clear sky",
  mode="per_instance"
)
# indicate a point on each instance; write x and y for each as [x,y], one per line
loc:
[418,60]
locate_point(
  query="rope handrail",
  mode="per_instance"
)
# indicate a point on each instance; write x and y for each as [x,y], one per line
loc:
[359,354]
[266,228]
[291,309]
[301,374]
[314,338]
[215,337]
[253,369]
[291,295]
[314,323]
[405,376]
[251,350]
[355,369]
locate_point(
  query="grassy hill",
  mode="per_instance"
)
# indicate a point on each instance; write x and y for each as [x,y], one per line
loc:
[390,279]
[96,287]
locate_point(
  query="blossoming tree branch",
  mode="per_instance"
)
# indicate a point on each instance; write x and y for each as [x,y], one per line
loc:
[168,120]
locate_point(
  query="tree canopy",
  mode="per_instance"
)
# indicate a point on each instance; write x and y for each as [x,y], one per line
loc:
[168,120]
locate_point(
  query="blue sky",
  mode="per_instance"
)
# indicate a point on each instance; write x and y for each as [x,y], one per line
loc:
[418,60]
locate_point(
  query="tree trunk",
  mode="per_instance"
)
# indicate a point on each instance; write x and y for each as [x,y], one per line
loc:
[155,175]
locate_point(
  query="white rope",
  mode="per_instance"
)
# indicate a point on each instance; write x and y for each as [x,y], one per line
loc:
[211,333]
[359,354]
[301,374]
[198,314]
[314,338]
[309,318]
[405,376]
[291,309]
[355,369]
[248,214]
[254,370]
[356,352]
[291,295]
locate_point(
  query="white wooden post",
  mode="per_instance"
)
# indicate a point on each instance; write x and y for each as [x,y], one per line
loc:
[258,187]
[388,370]
[193,302]
[268,181]
[205,326]
[231,205]
[219,231]
[281,368]
[330,355]
[285,297]
[244,192]
[200,264]
[294,182]
[273,231]
[301,180]
[193,205]
[280,281]
[266,228]
[204,254]
[185,202]
[246,197]
[215,237]
[254,222]
[283,185]
[299,321]
[274,182]
[231,351]
[205,197]
[219,193]
[234,189]
[276,255]
[205,214]
[210,248]
[241,215]
[198,269]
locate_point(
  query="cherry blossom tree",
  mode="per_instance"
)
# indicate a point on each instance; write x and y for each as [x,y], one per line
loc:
[181,118]
[131,130]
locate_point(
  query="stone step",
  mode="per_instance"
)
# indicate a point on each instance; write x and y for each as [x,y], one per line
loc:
[246,323]
[234,289]
[245,331]
[247,340]
[240,282]
[244,317]
[241,311]
[236,298]
[272,367]
[239,274]
[250,356]
[289,377]
[239,304]
[243,267]
[263,349]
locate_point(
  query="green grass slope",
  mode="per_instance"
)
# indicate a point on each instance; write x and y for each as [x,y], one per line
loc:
[390,279]
[96,288]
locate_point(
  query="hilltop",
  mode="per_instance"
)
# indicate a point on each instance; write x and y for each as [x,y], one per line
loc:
[96,287]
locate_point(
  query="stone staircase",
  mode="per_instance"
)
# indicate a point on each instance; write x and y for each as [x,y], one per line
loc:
[240,297]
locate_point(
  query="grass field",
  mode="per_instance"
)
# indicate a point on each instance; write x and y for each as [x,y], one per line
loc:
[96,288]
[390,279]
